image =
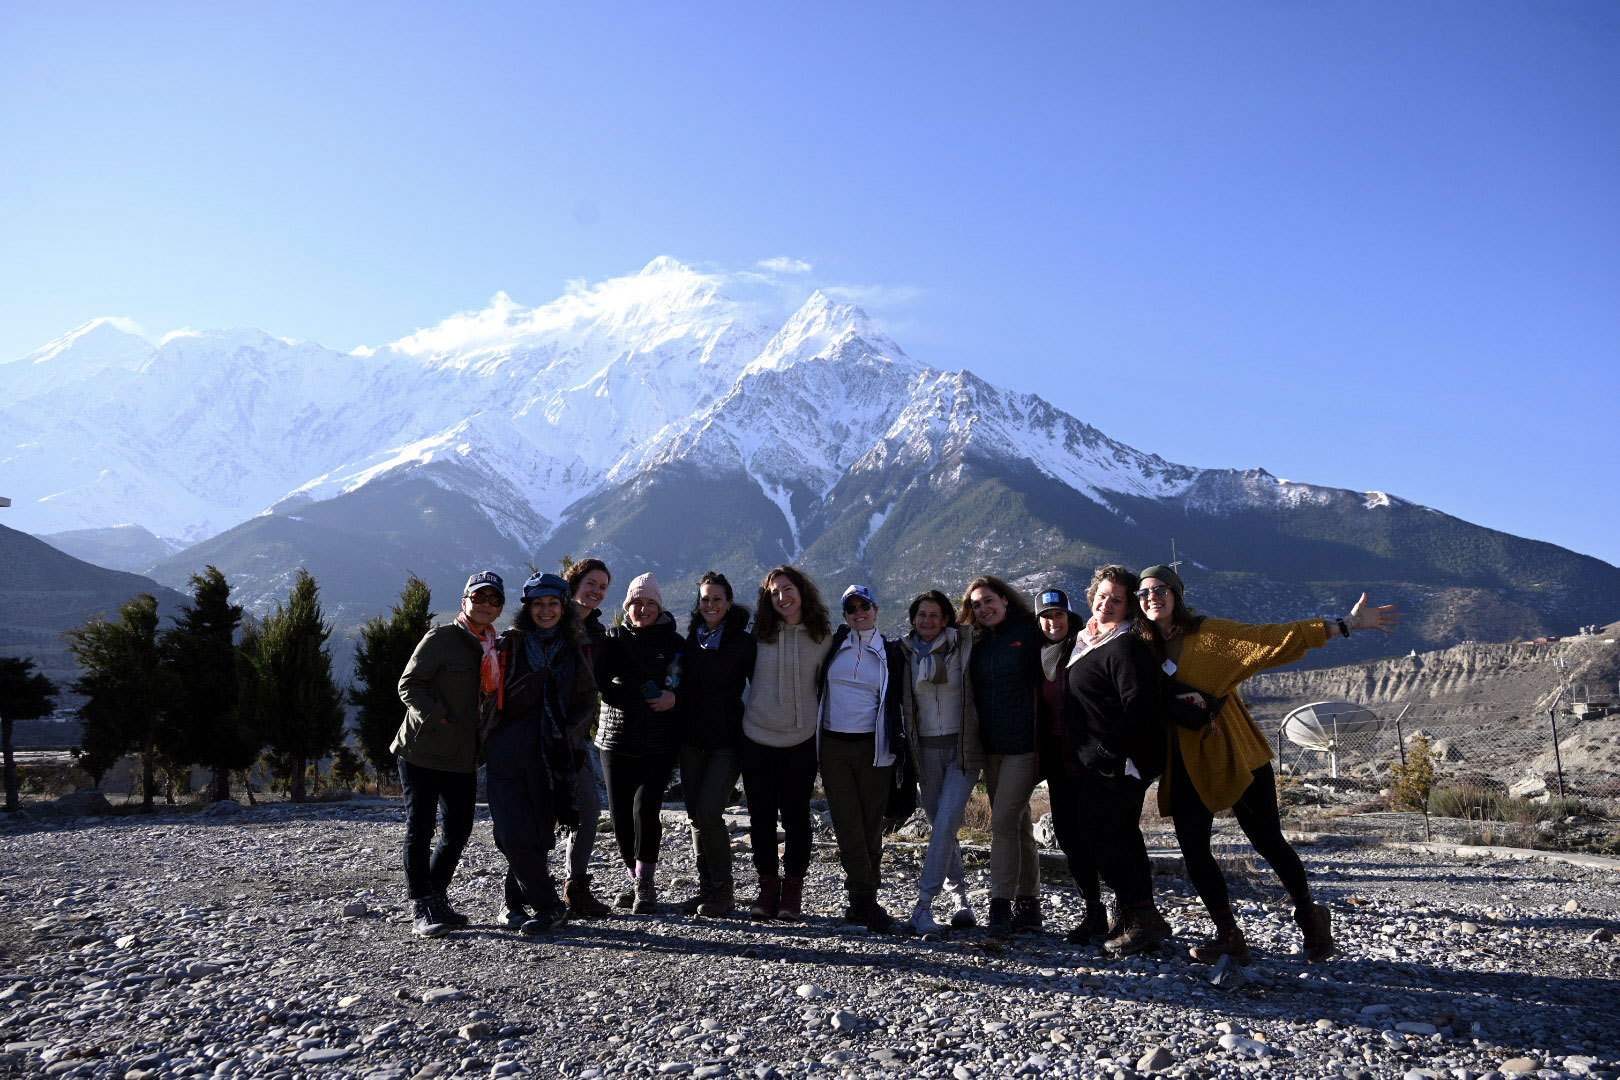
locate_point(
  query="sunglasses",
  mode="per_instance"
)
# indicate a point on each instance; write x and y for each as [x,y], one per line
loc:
[1158,592]
[857,605]
[489,598]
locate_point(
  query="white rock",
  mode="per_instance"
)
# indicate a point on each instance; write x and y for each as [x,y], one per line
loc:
[1251,1048]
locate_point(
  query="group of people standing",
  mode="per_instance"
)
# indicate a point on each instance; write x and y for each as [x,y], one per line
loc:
[1097,702]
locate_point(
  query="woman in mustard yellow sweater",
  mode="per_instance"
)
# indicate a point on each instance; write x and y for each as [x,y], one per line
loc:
[1226,762]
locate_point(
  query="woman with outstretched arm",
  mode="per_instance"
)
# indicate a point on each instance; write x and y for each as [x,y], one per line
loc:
[1218,757]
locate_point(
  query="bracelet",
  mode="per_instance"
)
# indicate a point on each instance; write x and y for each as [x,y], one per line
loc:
[1344,627]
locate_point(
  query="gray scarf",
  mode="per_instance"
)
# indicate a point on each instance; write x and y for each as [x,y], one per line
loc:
[930,653]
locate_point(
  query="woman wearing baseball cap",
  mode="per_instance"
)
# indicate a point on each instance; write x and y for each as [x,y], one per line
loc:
[437,747]
[859,739]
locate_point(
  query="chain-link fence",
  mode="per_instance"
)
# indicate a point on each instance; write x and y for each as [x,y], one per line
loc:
[1503,773]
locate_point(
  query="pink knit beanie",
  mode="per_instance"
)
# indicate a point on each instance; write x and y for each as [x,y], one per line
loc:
[644,587]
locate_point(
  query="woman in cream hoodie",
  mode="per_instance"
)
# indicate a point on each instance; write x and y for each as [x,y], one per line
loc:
[778,753]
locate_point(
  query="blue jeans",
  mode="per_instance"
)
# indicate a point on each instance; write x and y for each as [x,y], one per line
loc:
[945,790]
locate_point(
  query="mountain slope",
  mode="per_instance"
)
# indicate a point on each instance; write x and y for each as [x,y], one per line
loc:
[655,421]
[45,593]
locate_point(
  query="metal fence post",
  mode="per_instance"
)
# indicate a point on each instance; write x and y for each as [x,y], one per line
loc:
[1558,757]
[1400,738]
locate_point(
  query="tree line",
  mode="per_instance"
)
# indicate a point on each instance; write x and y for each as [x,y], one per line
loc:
[218,688]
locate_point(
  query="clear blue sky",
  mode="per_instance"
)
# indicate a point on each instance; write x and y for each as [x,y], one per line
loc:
[1371,245]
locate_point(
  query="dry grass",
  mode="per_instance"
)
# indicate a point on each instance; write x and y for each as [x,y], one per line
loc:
[976,815]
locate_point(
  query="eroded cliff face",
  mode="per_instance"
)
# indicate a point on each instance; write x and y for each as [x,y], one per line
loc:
[1473,674]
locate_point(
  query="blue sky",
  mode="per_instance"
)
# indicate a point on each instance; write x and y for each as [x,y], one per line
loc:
[1370,245]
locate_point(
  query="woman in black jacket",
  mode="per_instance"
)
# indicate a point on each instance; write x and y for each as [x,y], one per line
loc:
[715,668]
[1004,670]
[1112,717]
[638,668]
[589,579]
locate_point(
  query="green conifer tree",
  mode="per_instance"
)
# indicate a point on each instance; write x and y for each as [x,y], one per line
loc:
[386,644]
[297,701]
[200,722]
[25,694]
[124,687]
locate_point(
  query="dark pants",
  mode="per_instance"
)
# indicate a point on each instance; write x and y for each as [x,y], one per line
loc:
[1070,827]
[520,807]
[1112,808]
[428,792]
[635,790]
[707,780]
[858,797]
[777,781]
[1259,818]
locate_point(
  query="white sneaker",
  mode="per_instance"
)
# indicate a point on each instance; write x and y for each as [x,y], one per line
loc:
[513,917]
[922,918]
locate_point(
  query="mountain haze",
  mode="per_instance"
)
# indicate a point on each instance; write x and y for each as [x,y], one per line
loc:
[655,421]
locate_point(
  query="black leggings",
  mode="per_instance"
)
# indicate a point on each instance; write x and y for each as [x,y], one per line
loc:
[1070,826]
[777,781]
[1257,815]
[635,789]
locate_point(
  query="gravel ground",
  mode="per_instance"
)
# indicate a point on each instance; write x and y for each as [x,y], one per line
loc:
[270,942]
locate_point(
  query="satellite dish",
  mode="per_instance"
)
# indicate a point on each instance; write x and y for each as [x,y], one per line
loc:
[1332,727]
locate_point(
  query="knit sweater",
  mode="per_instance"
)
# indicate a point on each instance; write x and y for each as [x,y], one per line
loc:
[782,700]
[1215,658]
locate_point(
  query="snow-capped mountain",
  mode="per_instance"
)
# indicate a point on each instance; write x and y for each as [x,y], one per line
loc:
[656,419]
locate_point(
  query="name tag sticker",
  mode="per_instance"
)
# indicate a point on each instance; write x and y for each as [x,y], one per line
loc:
[1169,667]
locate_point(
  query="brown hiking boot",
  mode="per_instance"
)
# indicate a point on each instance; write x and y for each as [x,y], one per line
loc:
[1228,941]
[1317,926]
[1146,931]
[1117,928]
[646,896]
[792,906]
[718,902]
[577,894]
[769,900]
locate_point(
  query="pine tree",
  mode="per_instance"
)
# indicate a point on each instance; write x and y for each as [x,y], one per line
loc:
[385,646]
[298,702]
[25,694]
[123,685]
[201,725]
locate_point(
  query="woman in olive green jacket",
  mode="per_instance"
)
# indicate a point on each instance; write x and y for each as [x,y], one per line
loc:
[437,747]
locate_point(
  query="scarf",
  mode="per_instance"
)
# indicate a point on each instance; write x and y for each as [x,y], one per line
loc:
[538,692]
[491,669]
[930,653]
[1094,636]
[1049,658]
[542,647]
[710,639]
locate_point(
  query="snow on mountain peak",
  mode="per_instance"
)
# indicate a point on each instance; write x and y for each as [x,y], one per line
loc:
[108,339]
[818,329]
[664,264]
